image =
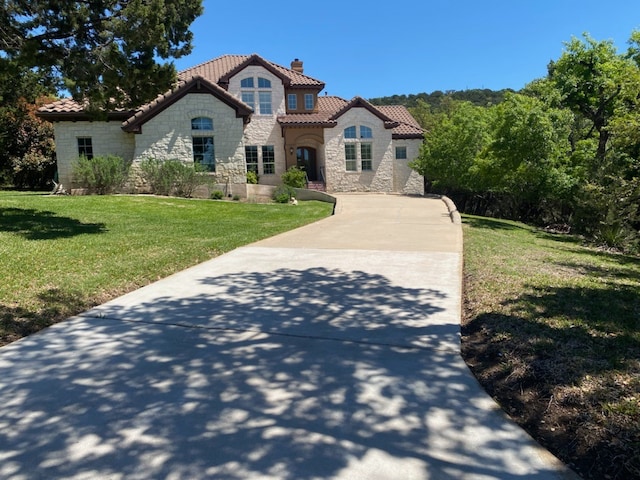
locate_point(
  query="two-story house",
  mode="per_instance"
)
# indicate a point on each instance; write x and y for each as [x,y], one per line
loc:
[237,113]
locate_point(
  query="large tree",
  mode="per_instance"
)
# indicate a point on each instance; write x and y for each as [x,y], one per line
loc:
[103,51]
[596,83]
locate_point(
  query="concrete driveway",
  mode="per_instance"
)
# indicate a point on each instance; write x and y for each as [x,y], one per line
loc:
[331,351]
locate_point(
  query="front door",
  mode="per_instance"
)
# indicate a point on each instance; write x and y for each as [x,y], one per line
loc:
[306,160]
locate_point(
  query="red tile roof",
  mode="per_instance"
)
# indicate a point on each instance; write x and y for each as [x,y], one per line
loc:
[219,69]
[215,75]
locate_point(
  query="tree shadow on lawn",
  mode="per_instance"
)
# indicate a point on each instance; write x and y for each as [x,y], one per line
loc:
[55,305]
[557,362]
[44,225]
[288,374]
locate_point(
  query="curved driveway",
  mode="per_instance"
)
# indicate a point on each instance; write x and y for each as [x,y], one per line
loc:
[331,351]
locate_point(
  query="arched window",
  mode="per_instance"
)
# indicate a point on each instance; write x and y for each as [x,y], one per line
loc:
[249,93]
[202,123]
[350,132]
[355,149]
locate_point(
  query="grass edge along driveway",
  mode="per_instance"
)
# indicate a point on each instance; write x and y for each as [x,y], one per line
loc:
[61,255]
[551,329]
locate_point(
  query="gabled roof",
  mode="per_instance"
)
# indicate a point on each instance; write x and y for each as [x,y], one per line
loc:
[330,108]
[221,69]
[194,84]
[407,127]
[359,102]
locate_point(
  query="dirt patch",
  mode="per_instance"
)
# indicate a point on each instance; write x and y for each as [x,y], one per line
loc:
[542,385]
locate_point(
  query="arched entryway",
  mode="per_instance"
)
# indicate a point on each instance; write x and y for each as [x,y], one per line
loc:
[306,160]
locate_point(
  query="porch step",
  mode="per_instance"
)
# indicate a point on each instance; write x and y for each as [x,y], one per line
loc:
[318,186]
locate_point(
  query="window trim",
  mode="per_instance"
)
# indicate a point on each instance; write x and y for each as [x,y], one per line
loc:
[309,101]
[292,101]
[268,152]
[251,166]
[209,167]
[85,147]
[401,148]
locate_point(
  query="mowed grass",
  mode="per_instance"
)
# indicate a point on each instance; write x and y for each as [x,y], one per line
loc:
[552,330]
[61,255]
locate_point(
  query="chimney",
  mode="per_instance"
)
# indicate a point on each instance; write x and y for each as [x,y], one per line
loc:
[296,66]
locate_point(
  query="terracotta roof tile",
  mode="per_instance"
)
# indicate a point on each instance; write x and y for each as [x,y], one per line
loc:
[216,69]
[407,127]
[64,105]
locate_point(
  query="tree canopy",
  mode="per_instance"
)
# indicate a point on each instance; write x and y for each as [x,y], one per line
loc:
[565,150]
[103,51]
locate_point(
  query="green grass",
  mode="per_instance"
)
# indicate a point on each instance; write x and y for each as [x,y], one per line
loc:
[60,255]
[552,330]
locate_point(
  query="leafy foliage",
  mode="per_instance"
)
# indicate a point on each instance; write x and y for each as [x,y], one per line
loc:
[171,177]
[104,51]
[102,174]
[565,151]
[294,177]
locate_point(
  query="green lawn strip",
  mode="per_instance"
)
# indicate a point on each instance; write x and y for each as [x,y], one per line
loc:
[552,330]
[60,255]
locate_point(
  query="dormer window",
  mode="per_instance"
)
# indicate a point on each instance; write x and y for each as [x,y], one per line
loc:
[308,101]
[249,93]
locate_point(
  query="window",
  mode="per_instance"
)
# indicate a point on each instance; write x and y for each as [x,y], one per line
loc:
[203,153]
[201,123]
[353,146]
[268,160]
[265,103]
[401,153]
[249,99]
[85,147]
[308,101]
[264,83]
[251,154]
[292,101]
[263,97]
[350,132]
[351,157]
[366,157]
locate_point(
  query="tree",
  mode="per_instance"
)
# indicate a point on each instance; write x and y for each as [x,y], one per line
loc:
[597,83]
[528,156]
[103,51]
[451,146]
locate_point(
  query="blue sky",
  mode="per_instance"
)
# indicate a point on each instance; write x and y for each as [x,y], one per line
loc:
[374,49]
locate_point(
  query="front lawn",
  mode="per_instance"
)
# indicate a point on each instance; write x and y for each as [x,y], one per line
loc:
[552,331]
[61,255]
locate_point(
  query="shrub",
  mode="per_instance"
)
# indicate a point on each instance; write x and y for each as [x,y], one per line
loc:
[295,177]
[34,170]
[252,177]
[283,194]
[103,174]
[236,198]
[171,177]
[217,195]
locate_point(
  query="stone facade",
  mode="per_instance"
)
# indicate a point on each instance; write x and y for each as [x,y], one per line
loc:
[168,135]
[264,130]
[107,139]
[162,129]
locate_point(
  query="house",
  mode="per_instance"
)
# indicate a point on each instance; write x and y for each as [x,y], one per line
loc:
[239,113]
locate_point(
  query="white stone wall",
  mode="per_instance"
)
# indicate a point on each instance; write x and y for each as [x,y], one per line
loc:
[107,138]
[380,179]
[264,129]
[168,135]
[406,180]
